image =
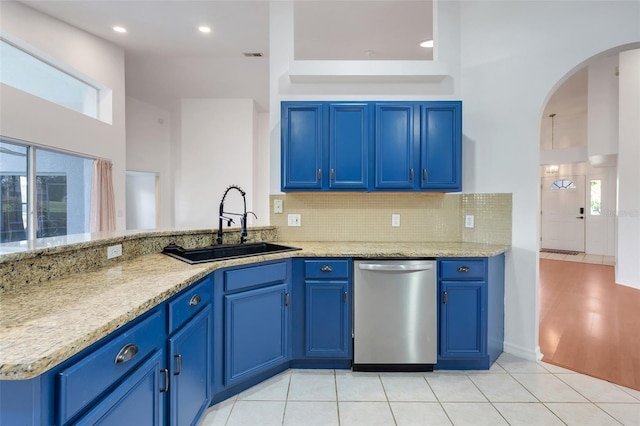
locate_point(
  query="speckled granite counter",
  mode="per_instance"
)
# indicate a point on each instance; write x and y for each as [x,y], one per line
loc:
[41,326]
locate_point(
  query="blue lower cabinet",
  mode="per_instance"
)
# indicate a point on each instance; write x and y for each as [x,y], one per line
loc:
[136,401]
[321,330]
[471,312]
[327,319]
[190,369]
[462,328]
[255,332]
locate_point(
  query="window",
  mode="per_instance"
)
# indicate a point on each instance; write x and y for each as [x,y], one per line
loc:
[596,197]
[25,72]
[62,193]
[563,184]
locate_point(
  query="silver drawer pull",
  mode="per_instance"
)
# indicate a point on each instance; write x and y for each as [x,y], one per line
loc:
[126,353]
[464,269]
[326,268]
[195,299]
[166,380]
[178,358]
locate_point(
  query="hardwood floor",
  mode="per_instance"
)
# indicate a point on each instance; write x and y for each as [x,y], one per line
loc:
[588,323]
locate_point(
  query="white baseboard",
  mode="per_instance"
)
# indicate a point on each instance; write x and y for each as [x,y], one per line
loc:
[523,352]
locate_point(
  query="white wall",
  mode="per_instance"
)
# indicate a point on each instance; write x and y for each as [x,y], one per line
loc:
[216,150]
[628,250]
[512,56]
[59,127]
[148,150]
[141,200]
[603,106]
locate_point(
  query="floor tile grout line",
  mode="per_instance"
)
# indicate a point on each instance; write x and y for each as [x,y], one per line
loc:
[438,400]
[387,398]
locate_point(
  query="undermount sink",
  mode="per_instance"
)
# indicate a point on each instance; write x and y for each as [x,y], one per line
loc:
[223,252]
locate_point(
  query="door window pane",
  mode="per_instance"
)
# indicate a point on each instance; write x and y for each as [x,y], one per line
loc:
[62,193]
[596,197]
[13,192]
[63,190]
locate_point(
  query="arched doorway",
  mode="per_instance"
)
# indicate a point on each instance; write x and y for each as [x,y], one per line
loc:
[578,316]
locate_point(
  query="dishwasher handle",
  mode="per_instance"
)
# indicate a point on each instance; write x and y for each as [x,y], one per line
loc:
[397,268]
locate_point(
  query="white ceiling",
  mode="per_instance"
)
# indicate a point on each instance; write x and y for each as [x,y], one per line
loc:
[167,59]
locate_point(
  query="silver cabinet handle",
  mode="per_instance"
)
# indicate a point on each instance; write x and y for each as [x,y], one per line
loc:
[166,379]
[333,174]
[446,297]
[178,358]
[424,174]
[195,299]
[286,299]
[346,297]
[464,269]
[411,174]
[326,268]
[127,352]
[319,175]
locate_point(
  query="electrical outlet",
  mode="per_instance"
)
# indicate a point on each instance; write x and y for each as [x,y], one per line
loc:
[395,220]
[469,221]
[277,206]
[114,251]
[294,220]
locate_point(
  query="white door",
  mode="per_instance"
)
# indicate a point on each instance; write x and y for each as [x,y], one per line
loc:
[563,213]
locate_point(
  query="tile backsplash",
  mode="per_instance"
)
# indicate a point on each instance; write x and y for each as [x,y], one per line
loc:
[367,217]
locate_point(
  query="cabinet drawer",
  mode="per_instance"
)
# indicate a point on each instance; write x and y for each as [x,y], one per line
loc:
[326,268]
[461,269]
[238,279]
[189,303]
[85,380]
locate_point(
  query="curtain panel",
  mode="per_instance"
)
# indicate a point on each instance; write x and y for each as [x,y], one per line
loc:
[103,209]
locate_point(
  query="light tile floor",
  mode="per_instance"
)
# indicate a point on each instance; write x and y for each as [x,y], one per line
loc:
[581,257]
[513,392]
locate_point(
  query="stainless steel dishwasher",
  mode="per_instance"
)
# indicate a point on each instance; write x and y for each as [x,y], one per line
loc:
[395,315]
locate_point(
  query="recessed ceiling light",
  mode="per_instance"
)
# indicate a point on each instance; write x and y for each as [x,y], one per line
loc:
[426,43]
[119,29]
[204,29]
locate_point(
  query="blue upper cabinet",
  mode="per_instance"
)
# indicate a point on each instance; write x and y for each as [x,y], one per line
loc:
[441,146]
[303,127]
[349,146]
[394,146]
[372,146]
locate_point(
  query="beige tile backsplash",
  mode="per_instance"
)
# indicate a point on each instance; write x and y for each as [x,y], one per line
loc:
[367,217]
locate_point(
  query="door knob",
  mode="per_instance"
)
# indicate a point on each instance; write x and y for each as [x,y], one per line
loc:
[579,217]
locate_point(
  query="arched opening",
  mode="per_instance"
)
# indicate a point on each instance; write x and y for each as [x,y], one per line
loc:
[582,310]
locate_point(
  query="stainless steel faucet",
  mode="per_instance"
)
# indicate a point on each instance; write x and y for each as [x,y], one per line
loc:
[229,220]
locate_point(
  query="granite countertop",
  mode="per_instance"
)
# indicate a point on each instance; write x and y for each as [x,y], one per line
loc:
[43,325]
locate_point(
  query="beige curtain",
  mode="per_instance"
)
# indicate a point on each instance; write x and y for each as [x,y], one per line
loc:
[103,209]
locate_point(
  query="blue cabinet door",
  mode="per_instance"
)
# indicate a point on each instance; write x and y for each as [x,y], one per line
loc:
[395,146]
[137,401]
[255,332]
[441,146]
[327,322]
[302,127]
[348,145]
[463,319]
[190,363]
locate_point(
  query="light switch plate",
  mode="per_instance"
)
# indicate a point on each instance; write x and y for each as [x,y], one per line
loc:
[294,220]
[469,221]
[114,251]
[277,206]
[395,220]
